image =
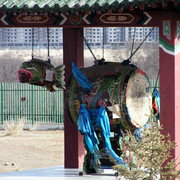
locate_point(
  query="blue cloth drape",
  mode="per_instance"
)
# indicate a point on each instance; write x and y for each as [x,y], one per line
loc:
[86,121]
[86,127]
[81,79]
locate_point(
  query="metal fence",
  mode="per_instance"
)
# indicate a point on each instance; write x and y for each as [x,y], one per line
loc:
[154,84]
[34,104]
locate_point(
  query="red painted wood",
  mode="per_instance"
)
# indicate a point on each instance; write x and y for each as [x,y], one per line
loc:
[167,94]
[73,52]
[177,106]
[170,89]
[177,91]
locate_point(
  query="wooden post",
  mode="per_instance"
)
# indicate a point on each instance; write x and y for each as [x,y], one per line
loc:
[73,140]
[170,79]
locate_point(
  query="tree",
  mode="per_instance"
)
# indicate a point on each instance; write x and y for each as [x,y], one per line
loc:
[152,156]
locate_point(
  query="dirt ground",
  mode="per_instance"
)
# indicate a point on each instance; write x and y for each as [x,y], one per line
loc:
[31,149]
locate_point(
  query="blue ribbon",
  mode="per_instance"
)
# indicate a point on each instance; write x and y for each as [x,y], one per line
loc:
[81,79]
[86,121]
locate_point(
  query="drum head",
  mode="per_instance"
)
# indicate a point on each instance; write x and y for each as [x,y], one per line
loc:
[138,99]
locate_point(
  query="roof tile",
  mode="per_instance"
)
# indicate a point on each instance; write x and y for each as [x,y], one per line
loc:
[81,5]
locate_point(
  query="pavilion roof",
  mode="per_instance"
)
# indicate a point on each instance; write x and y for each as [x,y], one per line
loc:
[53,6]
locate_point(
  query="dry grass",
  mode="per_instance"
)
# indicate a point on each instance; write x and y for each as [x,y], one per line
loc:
[13,128]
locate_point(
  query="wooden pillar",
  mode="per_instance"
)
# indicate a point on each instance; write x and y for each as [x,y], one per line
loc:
[73,140]
[170,79]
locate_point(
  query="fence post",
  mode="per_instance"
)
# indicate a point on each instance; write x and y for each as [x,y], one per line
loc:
[2,107]
[2,103]
[32,104]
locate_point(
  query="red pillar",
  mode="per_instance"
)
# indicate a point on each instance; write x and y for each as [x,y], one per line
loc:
[170,80]
[73,140]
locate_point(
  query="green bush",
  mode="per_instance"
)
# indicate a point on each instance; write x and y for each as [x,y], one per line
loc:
[152,155]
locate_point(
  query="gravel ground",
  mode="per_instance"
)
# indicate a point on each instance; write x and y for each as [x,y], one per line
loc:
[31,149]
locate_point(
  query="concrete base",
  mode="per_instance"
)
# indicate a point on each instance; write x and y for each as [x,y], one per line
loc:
[40,127]
[57,173]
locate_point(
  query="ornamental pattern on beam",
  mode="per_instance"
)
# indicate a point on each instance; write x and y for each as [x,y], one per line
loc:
[32,18]
[123,18]
[142,18]
[163,42]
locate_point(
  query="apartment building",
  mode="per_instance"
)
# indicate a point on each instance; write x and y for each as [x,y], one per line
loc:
[23,38]
[140,33]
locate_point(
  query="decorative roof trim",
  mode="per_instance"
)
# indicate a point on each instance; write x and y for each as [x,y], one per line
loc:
[91,6]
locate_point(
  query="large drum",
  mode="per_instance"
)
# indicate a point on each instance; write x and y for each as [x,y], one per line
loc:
[123,90]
